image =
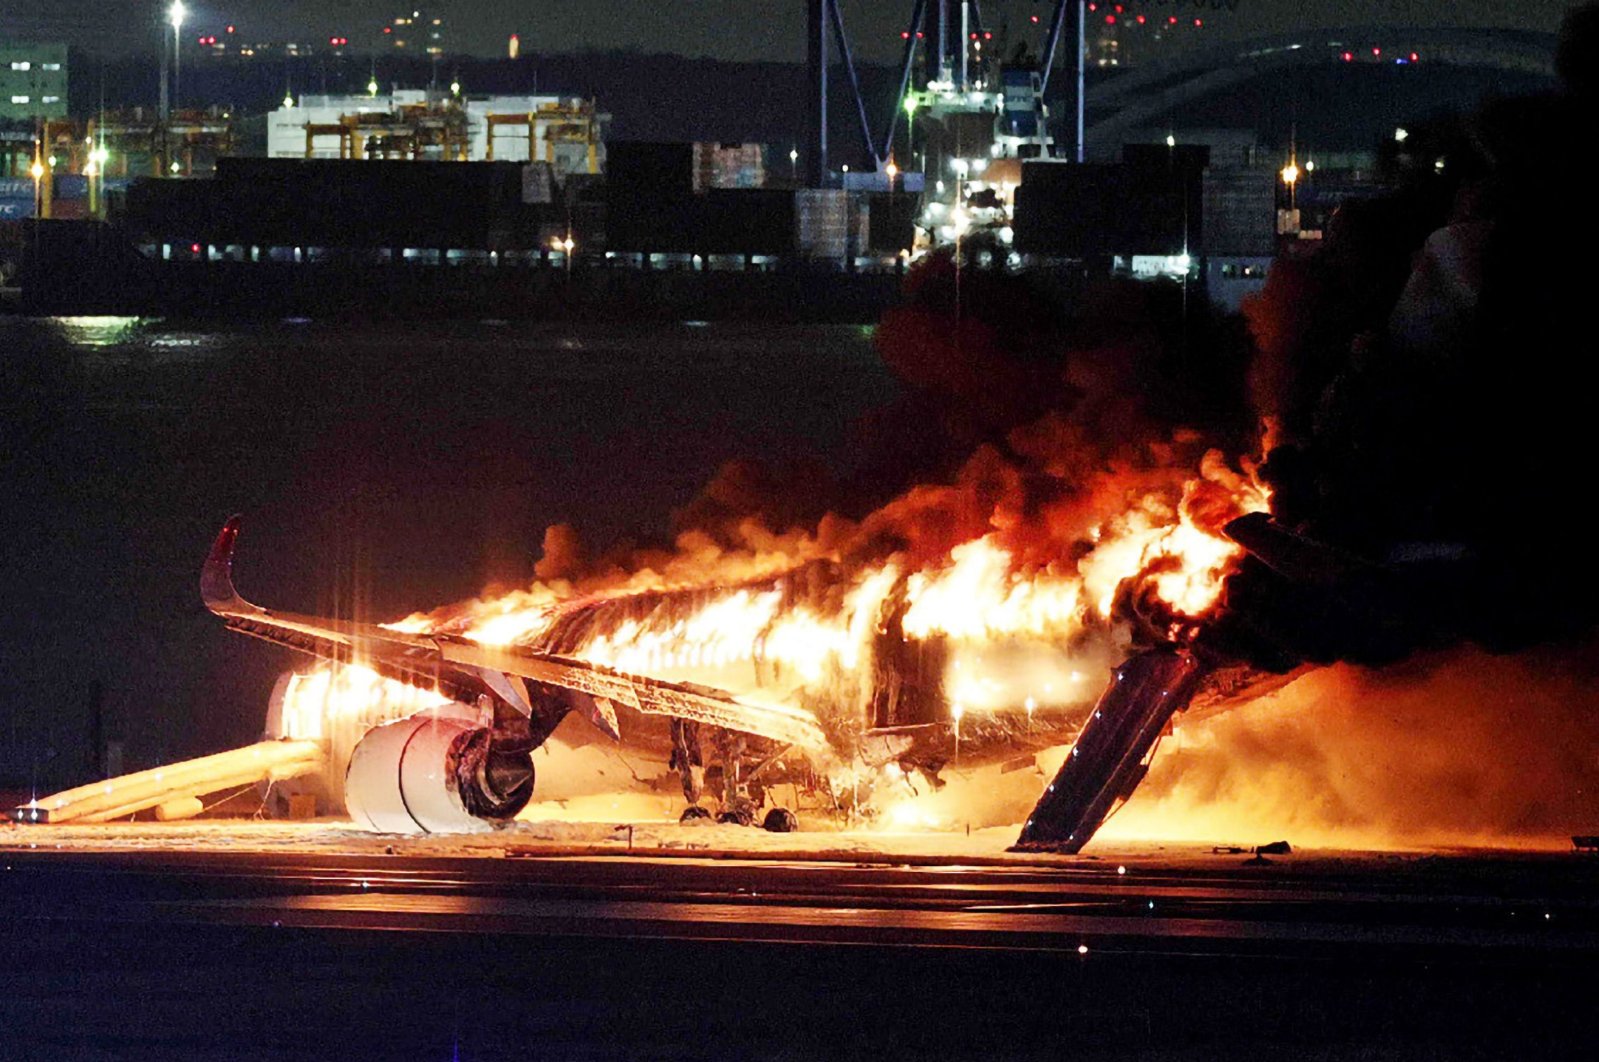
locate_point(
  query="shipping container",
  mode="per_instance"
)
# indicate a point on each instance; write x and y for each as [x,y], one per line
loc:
[729,166]
[822,222]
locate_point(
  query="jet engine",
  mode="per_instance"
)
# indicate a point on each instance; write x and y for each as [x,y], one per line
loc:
[437,772]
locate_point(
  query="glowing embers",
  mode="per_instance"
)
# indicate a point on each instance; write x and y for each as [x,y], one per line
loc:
[339,697]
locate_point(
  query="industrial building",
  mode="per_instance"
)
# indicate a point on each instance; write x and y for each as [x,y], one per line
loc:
[33,81]
[567,133]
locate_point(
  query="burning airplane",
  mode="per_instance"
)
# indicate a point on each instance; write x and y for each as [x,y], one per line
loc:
[845,654]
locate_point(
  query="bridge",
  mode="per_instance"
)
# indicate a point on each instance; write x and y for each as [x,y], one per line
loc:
[1141,96]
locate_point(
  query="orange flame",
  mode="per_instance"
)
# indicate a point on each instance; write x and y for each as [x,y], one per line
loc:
[728,620]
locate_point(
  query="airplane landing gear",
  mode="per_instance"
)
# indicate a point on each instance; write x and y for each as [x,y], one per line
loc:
[741,801]
[688,761]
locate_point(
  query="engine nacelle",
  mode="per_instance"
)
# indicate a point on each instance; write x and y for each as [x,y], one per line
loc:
[435,772]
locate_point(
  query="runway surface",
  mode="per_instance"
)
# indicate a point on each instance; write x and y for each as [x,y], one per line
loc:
[284,955]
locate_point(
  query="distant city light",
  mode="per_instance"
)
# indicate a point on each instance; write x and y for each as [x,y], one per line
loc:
[1290,174]
[1401,135]
[1171,141]
[1310,165]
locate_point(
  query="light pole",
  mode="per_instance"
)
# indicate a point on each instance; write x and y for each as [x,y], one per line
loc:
[176,14]
[911,104]
[36,171]
[1290,176]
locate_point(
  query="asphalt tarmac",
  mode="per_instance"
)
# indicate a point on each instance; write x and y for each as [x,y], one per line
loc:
[169,954]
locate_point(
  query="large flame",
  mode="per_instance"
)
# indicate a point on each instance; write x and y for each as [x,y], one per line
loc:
[806,621]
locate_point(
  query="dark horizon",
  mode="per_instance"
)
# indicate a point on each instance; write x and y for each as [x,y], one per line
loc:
[717,29]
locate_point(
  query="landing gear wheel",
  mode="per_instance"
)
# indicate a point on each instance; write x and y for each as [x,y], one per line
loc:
[737,814]
[780,820]
[693,813]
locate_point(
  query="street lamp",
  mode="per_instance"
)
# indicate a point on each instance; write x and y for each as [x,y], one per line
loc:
[175,15]
[1290,176]
[793,162]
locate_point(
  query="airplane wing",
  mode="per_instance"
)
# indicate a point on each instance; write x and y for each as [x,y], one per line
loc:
[436,659]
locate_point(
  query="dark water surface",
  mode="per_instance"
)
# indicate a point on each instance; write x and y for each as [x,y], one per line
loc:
[385,468]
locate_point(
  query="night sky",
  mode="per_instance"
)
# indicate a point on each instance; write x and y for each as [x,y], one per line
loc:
[724,29]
